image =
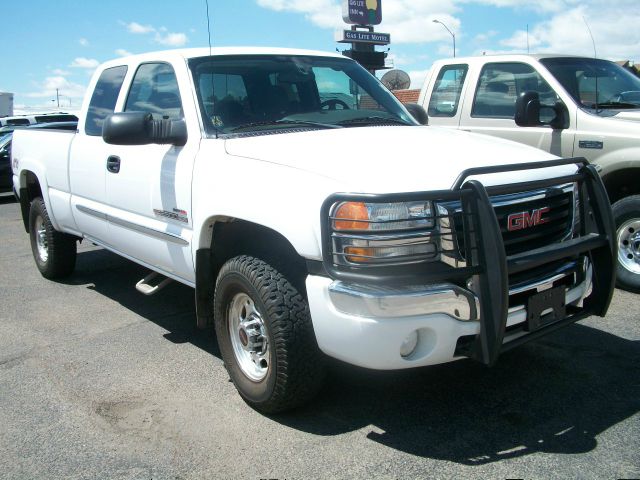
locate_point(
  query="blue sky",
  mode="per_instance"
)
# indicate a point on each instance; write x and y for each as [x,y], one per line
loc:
[57,44]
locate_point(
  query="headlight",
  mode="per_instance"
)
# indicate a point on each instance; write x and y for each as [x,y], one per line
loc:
[383,233]
[358,216]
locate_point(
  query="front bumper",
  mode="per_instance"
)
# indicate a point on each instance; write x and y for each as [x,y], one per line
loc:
[367,326]
[505,306]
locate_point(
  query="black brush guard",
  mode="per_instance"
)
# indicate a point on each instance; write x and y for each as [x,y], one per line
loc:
[487,264]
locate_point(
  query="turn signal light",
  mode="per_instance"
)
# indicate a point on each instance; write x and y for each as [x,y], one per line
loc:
[351,216]
[358,254]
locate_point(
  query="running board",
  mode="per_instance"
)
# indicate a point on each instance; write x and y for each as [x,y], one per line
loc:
[146,287]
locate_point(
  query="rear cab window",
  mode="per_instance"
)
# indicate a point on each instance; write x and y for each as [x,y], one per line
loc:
[18,121]
[55,118]
[103,99]
[445,97]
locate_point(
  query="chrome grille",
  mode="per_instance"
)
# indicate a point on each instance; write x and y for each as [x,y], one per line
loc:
[558,225]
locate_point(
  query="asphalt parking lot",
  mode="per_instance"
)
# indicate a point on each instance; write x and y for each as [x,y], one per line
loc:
[98,381]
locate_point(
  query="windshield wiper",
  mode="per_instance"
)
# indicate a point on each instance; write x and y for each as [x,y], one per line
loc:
[372,120]
[267,123]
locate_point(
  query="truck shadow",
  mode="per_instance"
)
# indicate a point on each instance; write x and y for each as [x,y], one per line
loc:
[172,308]
[555,395]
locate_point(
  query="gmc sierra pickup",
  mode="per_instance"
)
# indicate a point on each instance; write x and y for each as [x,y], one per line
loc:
[314,217]
[568,106]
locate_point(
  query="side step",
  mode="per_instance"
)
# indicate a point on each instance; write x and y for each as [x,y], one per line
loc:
[146,287]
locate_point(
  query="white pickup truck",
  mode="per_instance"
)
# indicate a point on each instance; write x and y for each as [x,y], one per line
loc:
[314,216]
[568,106]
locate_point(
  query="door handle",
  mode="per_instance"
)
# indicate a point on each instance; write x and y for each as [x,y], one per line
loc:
[113,164]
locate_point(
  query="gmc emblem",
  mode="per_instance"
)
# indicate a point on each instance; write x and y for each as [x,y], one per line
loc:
[522,220]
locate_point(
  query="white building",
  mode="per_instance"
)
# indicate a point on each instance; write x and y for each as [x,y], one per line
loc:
[6,104]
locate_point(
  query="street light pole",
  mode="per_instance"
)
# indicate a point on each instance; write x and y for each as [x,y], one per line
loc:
[452,35]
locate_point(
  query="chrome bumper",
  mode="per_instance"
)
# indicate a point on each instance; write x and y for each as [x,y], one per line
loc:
[385,302]
[456,302]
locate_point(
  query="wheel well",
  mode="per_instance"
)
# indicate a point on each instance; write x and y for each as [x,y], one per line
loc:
[246,238]
[622,183]
[240,237]
[28,192]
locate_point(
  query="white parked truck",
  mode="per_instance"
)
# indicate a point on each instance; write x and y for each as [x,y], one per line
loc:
[314,217]
[568,106]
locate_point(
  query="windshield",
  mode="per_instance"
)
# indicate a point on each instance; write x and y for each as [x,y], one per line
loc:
[581,77]
[241,94]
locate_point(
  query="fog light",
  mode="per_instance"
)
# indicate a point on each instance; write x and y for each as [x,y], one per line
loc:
[409,344]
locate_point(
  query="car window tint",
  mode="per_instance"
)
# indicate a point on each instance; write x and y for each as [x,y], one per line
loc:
[501,83]
[155,90]
[18,121]
[225,98]
[446,91]
[103,100]
[55,118]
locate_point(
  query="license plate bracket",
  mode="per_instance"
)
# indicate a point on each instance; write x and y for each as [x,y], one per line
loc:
[546,307]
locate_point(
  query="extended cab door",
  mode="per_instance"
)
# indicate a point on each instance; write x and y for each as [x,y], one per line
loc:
[446,92]
[88,157]
[490,107]
[149,186]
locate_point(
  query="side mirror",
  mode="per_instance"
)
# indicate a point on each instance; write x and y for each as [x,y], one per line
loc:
[418,113]
[139,128]
[529,112]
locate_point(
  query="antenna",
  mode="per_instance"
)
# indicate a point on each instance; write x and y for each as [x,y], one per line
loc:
[209,26]
[396,80]
[527,38]
[595,56]
[211,57]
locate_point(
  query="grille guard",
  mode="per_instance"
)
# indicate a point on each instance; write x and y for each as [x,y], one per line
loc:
[487,263]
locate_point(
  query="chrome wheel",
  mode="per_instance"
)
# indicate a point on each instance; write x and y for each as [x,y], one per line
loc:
[248,337]
[41,239]
[629,245]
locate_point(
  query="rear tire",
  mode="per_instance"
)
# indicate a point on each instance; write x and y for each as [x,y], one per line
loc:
[53,251]
[265,335]
[626,213]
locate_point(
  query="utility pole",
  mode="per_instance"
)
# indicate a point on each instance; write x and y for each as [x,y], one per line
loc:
[57,98]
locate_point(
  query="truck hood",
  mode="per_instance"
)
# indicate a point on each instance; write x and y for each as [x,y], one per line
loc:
[633,115]
[393,159]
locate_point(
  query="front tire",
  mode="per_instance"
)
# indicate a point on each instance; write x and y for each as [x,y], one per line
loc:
[626,213]
[265,335]
[53,251]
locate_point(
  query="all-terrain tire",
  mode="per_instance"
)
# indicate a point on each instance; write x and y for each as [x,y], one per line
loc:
[53,251]
[292,368]
[626,213]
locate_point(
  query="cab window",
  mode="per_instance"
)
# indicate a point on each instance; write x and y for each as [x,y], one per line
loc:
[103,100]
[446,91]
[155,90]
[501,83]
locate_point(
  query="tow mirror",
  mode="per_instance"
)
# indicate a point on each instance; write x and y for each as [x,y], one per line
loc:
[139,128]
[418,113]
[529,112]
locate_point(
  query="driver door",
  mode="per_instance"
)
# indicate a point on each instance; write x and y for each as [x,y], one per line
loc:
[149,193]
[492,110]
